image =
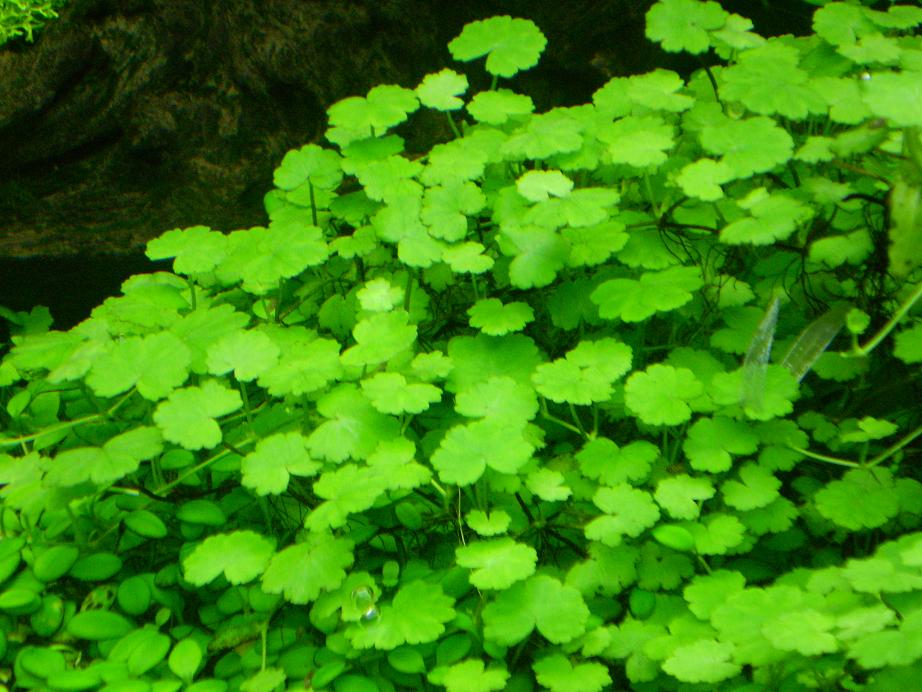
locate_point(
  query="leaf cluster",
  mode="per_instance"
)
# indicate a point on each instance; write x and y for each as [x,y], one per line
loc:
[598,398]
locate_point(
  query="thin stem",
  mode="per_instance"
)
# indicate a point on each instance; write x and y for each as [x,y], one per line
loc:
[13,441]
[824,458]
[192,471]
[890,451]
[451,124]
[707,567]
[579,423]
[246,404]
[554,419]
[891,323]
[310,189]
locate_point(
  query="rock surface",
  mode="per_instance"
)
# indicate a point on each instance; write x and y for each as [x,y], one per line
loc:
[130,117]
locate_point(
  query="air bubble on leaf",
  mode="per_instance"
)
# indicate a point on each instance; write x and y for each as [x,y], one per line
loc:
[364,600]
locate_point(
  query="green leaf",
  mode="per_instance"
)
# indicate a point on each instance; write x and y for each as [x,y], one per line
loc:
[358,117]
[548,484]
[656,90]
[490,523]
[908,344]
[303,570]
[705,592]
[467,450]
[542,136]
[98,625]
[417,615]
[537,186]
[703,178]
[305,364]
[185,659]
[389,392]
[248,353]
[660,394]
[538,254]
[498,399]
[711,443]
[772,217]
[592,245]
[780,389]
[602,459]
[756,487]
[310,164]
[240,556]
[890,647]
[896,96]
[585,374]
[497,564]
[636,300]
[866,429]
[204,326]
[467,258]
[862,499]
[480,357]
[499,106]
[607,571]
[263,681]
[557,611]
[717,533]
[753,145]
[188,416]
[156,364]
[261,257]
[703,661]
[557,674]
[684,25]
[682,495]
[145,523]
[347,489]
[510,44]
[807,632]
[639,141]
[905,223]
[768,80]
[447,207]
[277,457]
[118,457]
[196,250]
[140,650]
[440,90]
[470,676]
[379,295]
[849,248]
[628,512]
[492,317]
[379,338]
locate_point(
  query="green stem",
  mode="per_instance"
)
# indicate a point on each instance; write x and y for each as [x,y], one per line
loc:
[891,323]
[191,472]
[554,419]
[707,567]
[408,291]
[246,404]
[890,451]
[13,441]
[579,423]
[310,189]
[824,458]
[454,129]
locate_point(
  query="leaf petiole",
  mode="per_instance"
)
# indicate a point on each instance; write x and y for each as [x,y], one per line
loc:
[891,324]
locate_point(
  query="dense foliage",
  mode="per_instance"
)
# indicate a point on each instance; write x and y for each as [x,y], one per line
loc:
[22,18]
[617,395]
